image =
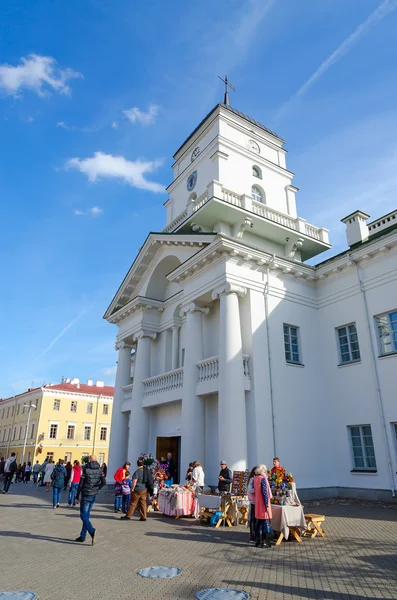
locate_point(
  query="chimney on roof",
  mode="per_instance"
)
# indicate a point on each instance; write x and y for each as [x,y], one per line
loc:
[99,384]
[356,227]
[75,381]
[89,382]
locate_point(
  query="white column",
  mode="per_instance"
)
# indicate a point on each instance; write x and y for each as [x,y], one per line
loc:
[193,416]
[231,397]
[175,347]
[118,443]
[138,441]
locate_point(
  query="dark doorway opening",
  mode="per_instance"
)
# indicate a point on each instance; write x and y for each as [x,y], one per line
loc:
[173,445]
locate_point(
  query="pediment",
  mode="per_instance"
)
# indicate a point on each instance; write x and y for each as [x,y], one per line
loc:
[161,251]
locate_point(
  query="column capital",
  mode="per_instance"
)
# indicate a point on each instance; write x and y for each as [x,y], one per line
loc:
[144,333]
[228,288]
[190,308]
[122,345]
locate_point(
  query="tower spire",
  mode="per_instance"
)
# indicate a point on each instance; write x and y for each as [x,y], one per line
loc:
[227,85]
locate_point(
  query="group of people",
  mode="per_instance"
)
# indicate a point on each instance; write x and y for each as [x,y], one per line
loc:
[131,490]
[21,474]
[196,476]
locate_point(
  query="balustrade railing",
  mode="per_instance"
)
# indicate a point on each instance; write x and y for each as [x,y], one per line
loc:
[246,365]
[200,201]
[177,221]
[232,197]
[127,392]
[163,383]
[208,369]
[383,222]
[273,215]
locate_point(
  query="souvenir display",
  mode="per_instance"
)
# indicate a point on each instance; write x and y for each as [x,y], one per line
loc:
[280,484]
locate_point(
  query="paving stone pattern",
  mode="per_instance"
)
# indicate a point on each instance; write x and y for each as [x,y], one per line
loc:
[357,560]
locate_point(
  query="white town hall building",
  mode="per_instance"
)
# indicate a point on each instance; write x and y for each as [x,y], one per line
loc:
[231,347]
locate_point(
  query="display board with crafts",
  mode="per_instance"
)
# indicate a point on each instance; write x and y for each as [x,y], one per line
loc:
[226,508]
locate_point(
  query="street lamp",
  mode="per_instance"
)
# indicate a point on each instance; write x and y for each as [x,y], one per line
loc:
[29,407]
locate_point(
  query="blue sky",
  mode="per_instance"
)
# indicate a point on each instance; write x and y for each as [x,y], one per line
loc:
[95,96]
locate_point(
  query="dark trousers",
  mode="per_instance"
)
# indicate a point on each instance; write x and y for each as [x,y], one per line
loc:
[27,476]
[252,522]
[7,481]
[126,499]
[138,498]
[86,505]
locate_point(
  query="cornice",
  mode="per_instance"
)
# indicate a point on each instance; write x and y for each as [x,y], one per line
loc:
[137,303]
[77,394]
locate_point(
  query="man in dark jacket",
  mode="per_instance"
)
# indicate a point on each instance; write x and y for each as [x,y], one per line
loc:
[92,480]
[225,478]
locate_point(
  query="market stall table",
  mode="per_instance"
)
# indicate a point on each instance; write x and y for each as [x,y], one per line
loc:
[288,520]
[176,503]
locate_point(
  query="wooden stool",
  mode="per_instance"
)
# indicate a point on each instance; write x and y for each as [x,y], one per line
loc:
[294,534]
[313,525]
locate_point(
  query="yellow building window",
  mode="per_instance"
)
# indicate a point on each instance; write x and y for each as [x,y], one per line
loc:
[105,409]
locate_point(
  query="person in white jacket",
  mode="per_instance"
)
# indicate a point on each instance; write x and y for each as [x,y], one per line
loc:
[198,476]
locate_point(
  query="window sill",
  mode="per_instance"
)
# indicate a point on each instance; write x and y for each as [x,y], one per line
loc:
[348,364]
[292,364]
[364,471]
[388,355]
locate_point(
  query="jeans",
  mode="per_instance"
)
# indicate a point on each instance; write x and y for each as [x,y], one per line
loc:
[117,502]
[27,476]
[72,494]
[35,476]
[7,481]
[56,495]
[86,504]
[126,502]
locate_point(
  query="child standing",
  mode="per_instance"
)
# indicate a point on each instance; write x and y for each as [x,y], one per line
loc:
[126,486]
[117,496]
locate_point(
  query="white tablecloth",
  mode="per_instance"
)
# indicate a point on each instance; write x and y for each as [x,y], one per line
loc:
[207,501]
[284,516]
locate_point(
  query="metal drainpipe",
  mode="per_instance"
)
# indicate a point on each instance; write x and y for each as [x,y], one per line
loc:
[269,354]
[377,381]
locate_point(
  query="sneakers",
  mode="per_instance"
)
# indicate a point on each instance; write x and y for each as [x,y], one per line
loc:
[125,518]
[58,505]
[93,537]
[142,519]
[79,539]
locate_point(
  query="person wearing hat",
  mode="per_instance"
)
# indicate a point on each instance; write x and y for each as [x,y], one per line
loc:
[225,478]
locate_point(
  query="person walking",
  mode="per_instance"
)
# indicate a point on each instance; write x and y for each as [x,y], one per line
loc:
[58,476]
[126,486]
[263,508]
[92,480]
[73,483]
[10,469]
[47,474]
[28,472]
[142,483]
[2,465]
[104,468]
[36,471]
[42,471]
[68,468]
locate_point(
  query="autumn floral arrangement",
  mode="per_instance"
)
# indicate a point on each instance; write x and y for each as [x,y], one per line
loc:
[280,482]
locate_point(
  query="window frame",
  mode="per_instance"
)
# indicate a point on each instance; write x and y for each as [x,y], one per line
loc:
[71,425]
[87,439]
[53,424]
[365,468]
[299,345]
[349,342]
[73,406]
[56,404]
[32,426]
[105,428]
[258,170]
[391,332]
[107,409]
[261,194]
[91,405]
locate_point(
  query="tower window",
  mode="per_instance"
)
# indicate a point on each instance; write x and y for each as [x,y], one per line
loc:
[256,172]
[257,194]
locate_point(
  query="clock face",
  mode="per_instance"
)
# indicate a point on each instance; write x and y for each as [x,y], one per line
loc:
[253,146]
[191,181]
[195,154]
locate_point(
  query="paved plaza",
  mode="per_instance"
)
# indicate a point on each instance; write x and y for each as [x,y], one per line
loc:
[357,560]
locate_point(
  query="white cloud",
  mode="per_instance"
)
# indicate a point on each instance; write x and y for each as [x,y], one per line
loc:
[134,115]
[102,166]
[36,73]
[115,125]
[384,8]
[64,125]
[110,371]
[95,211]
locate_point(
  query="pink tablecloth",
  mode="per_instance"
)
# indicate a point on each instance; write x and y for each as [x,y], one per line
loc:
[176,503]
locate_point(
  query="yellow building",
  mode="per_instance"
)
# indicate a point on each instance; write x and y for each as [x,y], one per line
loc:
[69,420]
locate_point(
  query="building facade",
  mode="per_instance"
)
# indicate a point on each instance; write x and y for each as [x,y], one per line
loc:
[231,346]
[70,420]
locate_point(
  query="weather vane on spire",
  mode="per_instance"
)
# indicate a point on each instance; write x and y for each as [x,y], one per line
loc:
[227,84]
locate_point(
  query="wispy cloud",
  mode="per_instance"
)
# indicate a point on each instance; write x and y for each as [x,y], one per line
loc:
[135,115]
[61,334]
[95,211]
[107,166]
[110,371]
[38,74]
[67,127]
[384,8]
[115,125]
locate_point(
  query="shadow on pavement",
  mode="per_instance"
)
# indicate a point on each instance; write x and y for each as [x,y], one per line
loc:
[32,536]
[300,592]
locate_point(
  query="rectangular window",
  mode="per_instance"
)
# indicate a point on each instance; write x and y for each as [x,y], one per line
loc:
[73,406]
[89,408]
[70,432]
[20,432]
[13,410]
[105,409]
[349,350]
[50,455]
[362,448]
[4,434]
[87,432]
[14,435]
[183,357]
[9,435]
[104,434]
[387,332]
[18,409]
[53,431]
[101,458]
[32,431]
[23,410]
[291,344]
[8,412]
[2,414]
[68,457]
[57,404]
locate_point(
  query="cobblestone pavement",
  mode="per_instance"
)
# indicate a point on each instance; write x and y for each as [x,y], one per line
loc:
[357,560]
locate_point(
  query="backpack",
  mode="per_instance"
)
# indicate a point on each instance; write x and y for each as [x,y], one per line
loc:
[13,466]
[125,489]
[117,488]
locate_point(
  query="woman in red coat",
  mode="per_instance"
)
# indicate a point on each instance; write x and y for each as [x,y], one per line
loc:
[263,507]
[121,471]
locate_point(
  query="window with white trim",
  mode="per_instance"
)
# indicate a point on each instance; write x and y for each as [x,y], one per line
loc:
[18,409]
[53,431]
[90,407]
[256,172]
[8,412]
[87,432]
[70,432]
[103,434]
[257,193]
[4,434]
[13,410]
[32,430]
[73,406]
[14,435]
[20,432]
[362,445]
[291,344]
[387,332]
[105,409]
[68,457]
[50,455]
[57,404]
[349,350]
